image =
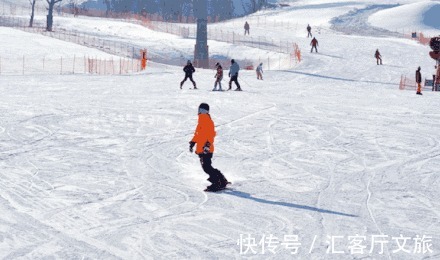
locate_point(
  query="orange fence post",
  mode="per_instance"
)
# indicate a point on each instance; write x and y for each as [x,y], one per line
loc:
[143,59]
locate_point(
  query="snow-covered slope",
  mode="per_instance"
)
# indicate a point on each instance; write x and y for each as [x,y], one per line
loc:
[95,167]
[419,17]
[16,44]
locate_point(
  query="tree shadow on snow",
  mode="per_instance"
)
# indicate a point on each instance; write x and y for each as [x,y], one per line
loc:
[245,195]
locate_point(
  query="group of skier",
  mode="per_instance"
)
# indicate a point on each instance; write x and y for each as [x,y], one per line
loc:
[233,75]
[418,77]
[314,42]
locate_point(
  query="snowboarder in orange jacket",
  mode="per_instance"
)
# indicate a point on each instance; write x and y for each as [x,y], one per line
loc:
[204,139]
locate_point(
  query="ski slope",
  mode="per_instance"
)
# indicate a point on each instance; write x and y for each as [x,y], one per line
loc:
[420,16]
[98,167]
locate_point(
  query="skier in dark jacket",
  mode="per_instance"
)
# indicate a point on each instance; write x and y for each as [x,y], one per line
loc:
[309,31]
[246,28]
[189,70]
[204,138]
[233,74]
[419,81]
[314,44]
[378,57]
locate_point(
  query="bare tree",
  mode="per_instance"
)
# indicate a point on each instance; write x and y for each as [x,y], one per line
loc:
[49,22]
[258,4]
[31,22]
[108,8]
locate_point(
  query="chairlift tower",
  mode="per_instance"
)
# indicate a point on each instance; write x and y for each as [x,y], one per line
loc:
[201,53]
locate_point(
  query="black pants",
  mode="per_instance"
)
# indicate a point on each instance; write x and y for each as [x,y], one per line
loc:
[314,47]
[215,176]
[190,77]
[234,79]
[309,34]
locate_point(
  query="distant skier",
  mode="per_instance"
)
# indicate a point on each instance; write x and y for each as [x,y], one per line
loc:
[246,28]
[378,57]
[434,73]
[218,77]
[260,71]
[314,44]
[233,74]
[204,138]
[309,31]
[419,81]
[189,70]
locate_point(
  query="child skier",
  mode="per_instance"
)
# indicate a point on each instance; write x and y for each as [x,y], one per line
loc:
[419,81]
[260,71]
[233,74]
[218,77]
[189,70]
[204,138]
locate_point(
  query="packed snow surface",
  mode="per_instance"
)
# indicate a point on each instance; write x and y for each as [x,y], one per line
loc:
[98,167]
[422,16]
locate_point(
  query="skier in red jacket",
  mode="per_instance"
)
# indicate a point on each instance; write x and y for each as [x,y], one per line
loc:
[378,57]
[314,44]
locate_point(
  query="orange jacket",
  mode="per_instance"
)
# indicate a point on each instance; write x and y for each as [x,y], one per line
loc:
[205,132]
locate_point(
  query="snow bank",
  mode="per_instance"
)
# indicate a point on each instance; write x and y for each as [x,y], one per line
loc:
[422,16]
[16,43]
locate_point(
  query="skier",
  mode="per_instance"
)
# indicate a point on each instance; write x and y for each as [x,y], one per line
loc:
[233,74]
[260,71]
[378,57]
[433,78]
[218,77]
[189,70]
[204,138]
[246,28]
[309,30]
[419,81]
[314,44]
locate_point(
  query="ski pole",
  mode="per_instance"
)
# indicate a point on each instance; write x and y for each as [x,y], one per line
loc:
[245,81]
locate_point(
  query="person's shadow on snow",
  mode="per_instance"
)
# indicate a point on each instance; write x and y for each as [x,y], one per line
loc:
[245,195]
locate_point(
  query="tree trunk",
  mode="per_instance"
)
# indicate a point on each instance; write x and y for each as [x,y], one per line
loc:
[31,22]
[49,22]
[108,7]
[49,16]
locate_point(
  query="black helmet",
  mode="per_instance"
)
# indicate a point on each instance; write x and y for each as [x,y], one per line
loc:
[203,108]
[217,64]
[232,61]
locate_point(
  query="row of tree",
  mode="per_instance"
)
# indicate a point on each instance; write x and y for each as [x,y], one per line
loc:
[171,10]
[49,21]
